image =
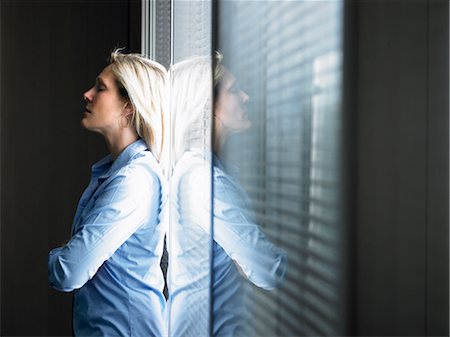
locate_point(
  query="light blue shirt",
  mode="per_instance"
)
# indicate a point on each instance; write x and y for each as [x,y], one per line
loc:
[112,261]
[241,253]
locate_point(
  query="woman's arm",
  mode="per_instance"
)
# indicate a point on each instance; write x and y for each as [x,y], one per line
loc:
[122,207]
[235,228]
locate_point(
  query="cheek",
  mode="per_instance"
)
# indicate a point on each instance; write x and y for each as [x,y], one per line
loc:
[229,110]
[111,111]
[108,102]
[219,110]
[235,109]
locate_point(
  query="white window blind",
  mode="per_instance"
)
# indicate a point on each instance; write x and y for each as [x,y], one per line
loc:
[287,55]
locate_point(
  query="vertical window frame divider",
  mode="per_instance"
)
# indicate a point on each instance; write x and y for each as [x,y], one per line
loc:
[148,28]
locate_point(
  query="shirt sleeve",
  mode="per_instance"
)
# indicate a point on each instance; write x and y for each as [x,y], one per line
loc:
[118,212]
[236,230]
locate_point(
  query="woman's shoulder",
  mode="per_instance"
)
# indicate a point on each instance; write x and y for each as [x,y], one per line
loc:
[144,164]
[141,170]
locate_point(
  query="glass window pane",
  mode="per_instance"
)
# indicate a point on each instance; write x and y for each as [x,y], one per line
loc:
[286,59]
[189,171]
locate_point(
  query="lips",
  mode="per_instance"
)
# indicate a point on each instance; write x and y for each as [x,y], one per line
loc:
[87,110]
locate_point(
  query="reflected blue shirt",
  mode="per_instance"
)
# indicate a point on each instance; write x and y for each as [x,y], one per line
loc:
[112,261]
[241,252]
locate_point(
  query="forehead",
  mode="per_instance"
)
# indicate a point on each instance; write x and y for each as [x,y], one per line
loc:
[228,79]
[106,75]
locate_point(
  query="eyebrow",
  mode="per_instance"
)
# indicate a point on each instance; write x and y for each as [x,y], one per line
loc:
[100,80]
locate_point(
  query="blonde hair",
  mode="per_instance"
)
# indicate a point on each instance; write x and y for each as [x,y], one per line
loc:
[144,83]
[193,82]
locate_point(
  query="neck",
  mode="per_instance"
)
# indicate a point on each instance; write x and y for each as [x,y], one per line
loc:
[221,135]
[118,142]
[219,140]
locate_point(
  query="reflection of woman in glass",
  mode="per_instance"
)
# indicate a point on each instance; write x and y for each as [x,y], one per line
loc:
[112,260]
[240,252]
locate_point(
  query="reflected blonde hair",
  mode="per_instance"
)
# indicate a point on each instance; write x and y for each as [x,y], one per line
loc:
[143,83]
[193,82]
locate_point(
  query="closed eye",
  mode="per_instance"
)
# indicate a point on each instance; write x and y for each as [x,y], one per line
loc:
[99,87]
[234,89]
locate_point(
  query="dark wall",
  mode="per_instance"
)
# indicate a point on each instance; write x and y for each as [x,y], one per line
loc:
[402,168]
[51,52]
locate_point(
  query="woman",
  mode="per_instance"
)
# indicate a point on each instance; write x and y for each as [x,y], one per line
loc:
[112,261]
[239,251]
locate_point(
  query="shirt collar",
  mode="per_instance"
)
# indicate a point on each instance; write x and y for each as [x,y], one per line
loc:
[230,169]
[106,166]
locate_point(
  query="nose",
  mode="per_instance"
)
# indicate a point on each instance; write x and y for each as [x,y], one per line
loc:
[245,98]
[88,95]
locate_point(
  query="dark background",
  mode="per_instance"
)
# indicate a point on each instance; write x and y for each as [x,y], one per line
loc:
[400,99]
[51,53]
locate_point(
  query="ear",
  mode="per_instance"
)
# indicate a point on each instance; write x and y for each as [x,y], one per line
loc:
[128,109]
[218,108]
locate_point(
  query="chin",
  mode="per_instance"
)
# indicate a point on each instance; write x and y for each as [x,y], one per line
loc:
[246,125]
[85,124]
[242,128]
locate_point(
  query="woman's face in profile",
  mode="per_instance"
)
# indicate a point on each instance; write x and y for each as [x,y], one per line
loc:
[104,107]
[231,105]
